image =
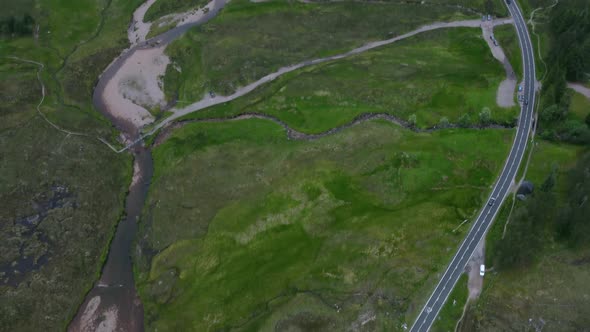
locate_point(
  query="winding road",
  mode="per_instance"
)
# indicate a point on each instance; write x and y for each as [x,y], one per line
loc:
[500,190]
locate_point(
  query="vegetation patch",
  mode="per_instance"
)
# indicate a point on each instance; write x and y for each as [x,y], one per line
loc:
[164,7]
[358,223]
[566,30]
[539,264]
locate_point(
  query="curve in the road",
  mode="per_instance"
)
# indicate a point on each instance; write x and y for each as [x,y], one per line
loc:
[500,190]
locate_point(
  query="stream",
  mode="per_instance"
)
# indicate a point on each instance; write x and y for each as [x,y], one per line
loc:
[113,304]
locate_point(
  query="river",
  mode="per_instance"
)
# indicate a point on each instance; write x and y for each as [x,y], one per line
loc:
[113,304]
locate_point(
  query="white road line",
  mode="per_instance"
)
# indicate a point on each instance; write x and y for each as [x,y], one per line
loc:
[507,175]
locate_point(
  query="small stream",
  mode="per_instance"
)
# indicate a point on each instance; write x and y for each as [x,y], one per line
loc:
[113,304]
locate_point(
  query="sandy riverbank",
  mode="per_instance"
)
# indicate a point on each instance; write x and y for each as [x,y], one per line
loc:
[137,82]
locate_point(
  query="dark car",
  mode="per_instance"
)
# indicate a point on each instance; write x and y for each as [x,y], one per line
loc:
[491,202]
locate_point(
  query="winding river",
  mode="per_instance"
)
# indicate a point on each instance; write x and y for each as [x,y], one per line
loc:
[113,304]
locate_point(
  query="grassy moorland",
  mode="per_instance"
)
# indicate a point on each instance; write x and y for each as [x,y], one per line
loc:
[328,233]
[62,195]
[546,288]
[249,40]
[579,107]
[439,77]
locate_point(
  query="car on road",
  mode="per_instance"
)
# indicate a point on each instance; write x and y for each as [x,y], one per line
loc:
[492,201]
[482,270]
[508,2]
[526,102]
[520,88]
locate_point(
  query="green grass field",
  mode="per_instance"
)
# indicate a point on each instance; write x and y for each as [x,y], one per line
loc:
[243,43]
[579,107]
[321,233]
[62,195]
[440,74]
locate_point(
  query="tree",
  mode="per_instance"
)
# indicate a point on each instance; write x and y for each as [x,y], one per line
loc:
[485,116]
[520,244]
[412,120]
[443,122]
[588,120]
[551,113]
[549,182]
[464,120]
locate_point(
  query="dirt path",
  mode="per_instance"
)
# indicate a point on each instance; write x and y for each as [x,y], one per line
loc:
[579,88]
[475,282]
[211,101]
[505,93]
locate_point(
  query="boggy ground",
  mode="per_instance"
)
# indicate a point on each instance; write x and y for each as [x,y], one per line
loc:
[343,231]
[61,198]
[62,194]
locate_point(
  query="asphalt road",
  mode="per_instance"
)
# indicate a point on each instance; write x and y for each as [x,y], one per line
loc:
[479,228]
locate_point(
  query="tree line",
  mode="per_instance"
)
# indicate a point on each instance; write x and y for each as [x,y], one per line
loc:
[567,60]
[545,218]
[14,26]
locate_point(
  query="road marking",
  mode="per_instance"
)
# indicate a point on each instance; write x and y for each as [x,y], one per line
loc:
[508,173]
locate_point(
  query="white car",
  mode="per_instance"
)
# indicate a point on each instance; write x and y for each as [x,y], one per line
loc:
[520,88]
[482,270]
